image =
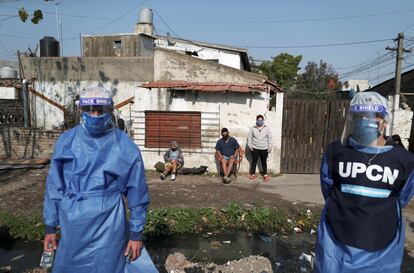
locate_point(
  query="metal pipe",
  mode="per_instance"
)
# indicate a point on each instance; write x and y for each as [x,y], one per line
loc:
[25,104]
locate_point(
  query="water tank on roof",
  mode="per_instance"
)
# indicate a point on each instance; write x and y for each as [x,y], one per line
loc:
[145,16]
[8,73]
[49,47]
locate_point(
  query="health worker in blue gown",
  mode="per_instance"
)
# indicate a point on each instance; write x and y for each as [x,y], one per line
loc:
[365,184]
[94,166]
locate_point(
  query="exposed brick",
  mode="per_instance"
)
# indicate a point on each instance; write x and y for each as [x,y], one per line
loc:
[26,143]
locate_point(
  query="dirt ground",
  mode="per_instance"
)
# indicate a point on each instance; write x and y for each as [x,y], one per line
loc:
[23,190]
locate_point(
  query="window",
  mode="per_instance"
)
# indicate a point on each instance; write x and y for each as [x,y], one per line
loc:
[162,127]
[117,44]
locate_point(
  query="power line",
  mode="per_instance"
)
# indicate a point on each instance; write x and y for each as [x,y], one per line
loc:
[389,56]
[165,23]
[7,18]
[119,17]
[18,37]
[376,53]
[240,22]
[4,47]
[322,45]
[367,65]
[295,20]
[71,15]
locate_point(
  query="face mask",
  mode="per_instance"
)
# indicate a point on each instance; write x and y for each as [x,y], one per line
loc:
[96,125]
[365,131]
[225,136]
[259,122]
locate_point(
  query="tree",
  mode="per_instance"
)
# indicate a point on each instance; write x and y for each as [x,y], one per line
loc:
[282,69]
[318,78]
[36,17]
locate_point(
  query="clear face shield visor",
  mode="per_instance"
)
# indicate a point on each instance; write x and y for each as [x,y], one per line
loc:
[96,106]
[365,125]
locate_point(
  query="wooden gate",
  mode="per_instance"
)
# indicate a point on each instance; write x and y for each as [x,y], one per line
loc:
[308,127]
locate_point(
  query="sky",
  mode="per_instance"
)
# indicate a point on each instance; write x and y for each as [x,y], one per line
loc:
[314,29]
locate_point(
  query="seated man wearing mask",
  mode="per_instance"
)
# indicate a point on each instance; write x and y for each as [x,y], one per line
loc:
[93,166]
[365,184]
[226,150]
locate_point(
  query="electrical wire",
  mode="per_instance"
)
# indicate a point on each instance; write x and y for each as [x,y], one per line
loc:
[242,22]
[18,37]
[9,17]
[321,45]
[118,18]
[295,20]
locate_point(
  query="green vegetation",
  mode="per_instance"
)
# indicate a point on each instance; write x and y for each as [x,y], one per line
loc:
[167,221]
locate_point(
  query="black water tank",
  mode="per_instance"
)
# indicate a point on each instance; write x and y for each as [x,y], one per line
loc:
[49,47]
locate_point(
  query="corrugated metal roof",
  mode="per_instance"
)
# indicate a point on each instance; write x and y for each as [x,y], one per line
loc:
[213,87]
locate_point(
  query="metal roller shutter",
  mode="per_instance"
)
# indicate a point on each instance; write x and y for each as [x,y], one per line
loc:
[162,127]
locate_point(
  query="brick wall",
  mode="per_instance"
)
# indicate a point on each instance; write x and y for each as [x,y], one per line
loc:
[26,143]
[11,111]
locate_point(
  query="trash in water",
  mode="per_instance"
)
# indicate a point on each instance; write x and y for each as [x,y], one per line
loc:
[266,239]
[5,269]
[312,231]
[297,230]
[17,258]
[309,213]
[226,242]
[289,221]
[305,257]
[215,245]
[303,269]
[277,264]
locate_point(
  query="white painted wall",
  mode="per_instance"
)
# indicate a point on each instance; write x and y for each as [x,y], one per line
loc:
[235,111]
[402,127]
[48,116]
[7,93]
[224,57]
[353,85]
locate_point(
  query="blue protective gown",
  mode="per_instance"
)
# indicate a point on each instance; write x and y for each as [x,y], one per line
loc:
[87,180]
[335,257]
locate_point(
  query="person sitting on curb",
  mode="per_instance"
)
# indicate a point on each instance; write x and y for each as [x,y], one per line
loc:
[260,144]
[226,150]
[174,160]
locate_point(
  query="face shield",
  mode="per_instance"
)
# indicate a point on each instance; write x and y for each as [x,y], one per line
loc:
[366,120]
[96,106]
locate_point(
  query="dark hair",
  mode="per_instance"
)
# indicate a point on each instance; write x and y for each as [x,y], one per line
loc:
[397,140]
[224,130]
[259,116]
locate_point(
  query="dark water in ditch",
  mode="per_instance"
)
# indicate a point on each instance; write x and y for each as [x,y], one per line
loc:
[283,251]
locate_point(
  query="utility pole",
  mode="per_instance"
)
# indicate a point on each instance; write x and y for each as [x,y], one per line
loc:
[397,80]
[59,27]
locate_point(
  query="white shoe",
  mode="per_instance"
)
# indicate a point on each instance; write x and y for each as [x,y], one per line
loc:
[173,177]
